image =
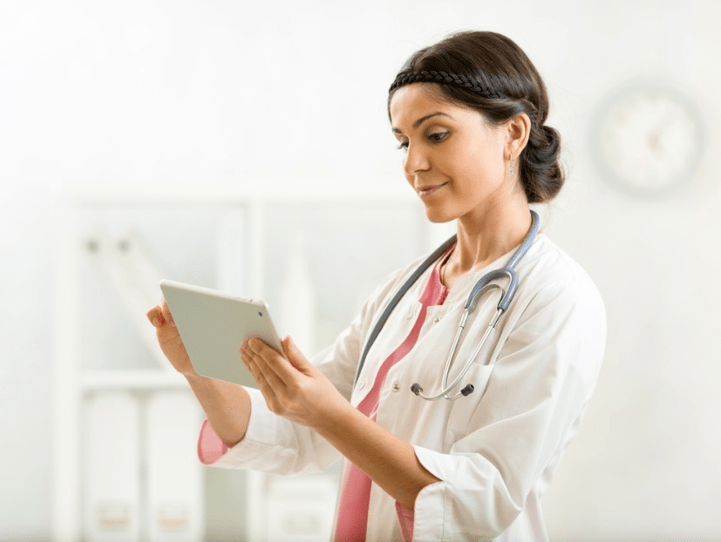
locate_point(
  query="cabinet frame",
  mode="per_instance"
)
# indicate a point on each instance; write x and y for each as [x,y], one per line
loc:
[71,382]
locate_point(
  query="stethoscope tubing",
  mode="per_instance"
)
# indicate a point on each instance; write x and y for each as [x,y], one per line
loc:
[479,289]
[449,362]
[483,285]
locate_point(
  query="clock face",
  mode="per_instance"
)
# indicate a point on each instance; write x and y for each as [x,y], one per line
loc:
[650,139]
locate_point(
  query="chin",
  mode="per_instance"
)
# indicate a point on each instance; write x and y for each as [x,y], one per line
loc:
[438,216]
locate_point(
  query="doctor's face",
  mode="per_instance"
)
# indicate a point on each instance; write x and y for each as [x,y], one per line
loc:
[451,156]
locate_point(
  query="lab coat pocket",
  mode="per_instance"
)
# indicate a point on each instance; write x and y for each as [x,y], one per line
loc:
[464,407]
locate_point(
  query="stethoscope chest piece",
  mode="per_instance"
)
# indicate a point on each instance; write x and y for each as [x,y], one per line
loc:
[481,287]
[471,305]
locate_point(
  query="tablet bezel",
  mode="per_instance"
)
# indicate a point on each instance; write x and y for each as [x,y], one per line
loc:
[213,324]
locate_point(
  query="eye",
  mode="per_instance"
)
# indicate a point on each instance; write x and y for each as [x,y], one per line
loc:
[437,137]
[403,145]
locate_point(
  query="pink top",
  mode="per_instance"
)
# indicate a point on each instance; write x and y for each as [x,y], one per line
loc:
[210,447]
[356,486]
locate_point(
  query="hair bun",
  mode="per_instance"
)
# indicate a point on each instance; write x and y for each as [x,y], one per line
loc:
[540,164]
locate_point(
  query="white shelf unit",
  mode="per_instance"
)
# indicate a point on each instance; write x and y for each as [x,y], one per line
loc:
[360,234]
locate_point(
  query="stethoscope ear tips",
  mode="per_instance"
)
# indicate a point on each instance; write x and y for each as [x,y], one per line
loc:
[467,390]
[416,388]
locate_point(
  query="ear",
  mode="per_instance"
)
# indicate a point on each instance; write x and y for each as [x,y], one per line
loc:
[517,132]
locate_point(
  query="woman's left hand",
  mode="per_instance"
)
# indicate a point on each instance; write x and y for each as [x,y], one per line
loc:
[291,385]
[297,390]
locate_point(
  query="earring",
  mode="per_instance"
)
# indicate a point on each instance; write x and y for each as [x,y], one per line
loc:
[511,170]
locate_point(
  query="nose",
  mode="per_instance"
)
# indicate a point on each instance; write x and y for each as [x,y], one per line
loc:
[415,160]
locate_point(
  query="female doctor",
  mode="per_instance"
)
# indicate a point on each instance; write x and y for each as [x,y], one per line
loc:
[468,114]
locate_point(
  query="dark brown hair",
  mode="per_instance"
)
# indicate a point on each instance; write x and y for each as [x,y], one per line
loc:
[489,73]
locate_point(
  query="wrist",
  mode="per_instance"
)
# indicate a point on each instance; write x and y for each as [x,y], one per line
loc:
[337,419]
[192,376]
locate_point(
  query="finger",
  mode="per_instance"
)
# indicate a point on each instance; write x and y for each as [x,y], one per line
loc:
[268,392]
[295,356]
[252,367]
[256,356]
[275,361]
[271,391]
[166,312]
[155,315]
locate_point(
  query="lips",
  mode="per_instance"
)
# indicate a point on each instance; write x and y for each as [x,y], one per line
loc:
[428,190]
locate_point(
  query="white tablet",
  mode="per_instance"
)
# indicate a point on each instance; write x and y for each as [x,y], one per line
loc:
[213,325]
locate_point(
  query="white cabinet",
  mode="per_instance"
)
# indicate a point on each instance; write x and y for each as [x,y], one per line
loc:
[302,508]
[126,423]
[174,479]
[111,467]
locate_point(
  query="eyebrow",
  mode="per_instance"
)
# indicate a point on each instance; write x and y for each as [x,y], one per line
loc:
[421,120]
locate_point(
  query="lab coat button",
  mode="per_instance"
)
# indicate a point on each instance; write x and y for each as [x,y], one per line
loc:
[409,314]
[361,385]
[396,386]
[436,320]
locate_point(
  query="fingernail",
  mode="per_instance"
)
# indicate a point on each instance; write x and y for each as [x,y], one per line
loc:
[155,322]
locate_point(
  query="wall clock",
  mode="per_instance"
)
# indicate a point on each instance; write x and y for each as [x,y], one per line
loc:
[649,139]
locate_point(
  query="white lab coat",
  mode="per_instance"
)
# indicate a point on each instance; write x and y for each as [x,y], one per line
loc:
[495,450]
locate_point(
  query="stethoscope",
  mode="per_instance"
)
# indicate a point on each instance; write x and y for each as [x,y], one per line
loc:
[481,287]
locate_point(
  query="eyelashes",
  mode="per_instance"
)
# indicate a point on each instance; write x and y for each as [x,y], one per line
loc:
[435,137]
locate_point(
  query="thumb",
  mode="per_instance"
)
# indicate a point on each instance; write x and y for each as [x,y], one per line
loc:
[294,355]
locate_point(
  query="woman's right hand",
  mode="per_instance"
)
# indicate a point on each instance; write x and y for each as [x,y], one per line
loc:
[169,339]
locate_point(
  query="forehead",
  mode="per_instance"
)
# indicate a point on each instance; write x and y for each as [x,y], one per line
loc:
[413,97]
[417,100]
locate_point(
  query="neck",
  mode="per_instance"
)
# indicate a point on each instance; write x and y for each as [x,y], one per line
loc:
[485,238]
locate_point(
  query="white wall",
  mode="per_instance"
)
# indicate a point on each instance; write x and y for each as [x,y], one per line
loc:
[218,92]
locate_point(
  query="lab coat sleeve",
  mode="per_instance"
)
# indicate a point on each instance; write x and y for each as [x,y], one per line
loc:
[544,376]
[275,444]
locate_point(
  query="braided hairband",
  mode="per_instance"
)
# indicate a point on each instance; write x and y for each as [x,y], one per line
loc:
[406,78]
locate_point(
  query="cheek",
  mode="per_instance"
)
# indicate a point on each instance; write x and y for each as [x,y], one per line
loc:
[484,163]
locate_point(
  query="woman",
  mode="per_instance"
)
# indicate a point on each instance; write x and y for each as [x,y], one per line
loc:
[469,115]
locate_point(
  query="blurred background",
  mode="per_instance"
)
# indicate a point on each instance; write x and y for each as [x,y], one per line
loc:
[246,146]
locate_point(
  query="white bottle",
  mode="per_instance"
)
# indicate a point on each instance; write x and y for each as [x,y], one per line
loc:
[297,298]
